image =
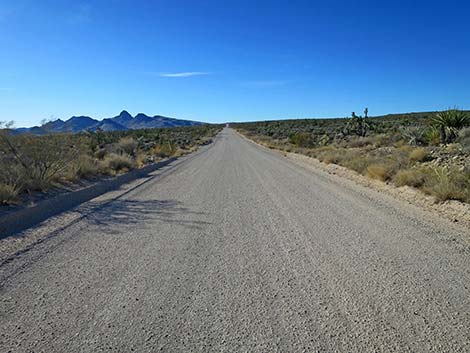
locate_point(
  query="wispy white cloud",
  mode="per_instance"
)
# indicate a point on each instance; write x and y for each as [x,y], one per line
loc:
[184,74]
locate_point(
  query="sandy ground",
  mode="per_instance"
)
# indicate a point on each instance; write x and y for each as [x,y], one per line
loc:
[239,249]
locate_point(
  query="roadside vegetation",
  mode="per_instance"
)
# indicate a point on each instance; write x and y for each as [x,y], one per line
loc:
[30,163]
[427,151]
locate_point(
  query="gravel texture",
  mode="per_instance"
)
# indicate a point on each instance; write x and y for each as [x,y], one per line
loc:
[239,249]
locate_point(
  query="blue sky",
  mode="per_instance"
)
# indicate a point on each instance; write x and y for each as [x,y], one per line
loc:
[223,60]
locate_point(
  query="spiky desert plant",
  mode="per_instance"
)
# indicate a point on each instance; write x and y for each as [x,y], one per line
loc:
[413,135]
[449,122]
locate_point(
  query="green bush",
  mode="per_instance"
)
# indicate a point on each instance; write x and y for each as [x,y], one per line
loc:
[302,139]
[449,122]
[432,136]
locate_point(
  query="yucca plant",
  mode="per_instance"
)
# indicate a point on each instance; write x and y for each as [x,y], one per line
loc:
[414,135]
[449,122]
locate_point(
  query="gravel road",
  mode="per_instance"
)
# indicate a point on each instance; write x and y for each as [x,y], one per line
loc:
[239,249]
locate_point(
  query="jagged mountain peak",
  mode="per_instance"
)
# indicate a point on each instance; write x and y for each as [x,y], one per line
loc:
[124,121]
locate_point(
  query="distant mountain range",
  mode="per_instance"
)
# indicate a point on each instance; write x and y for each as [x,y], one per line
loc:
[123,121]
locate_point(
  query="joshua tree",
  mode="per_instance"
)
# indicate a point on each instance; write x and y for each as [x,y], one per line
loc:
[358,123]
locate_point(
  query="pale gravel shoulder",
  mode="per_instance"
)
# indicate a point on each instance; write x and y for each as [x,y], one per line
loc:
[454,211]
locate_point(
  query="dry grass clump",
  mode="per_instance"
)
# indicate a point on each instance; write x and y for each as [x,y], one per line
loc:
[163,150]
[86,166]
[114,163]
[380,172]
[140,159]
[328,154]
[442,183]
[128,145]
[359,141]
[83,167]
[448,184]
[411,177]
[357,164]
[418,155]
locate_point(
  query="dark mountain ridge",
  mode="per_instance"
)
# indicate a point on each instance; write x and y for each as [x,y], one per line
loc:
[124,121]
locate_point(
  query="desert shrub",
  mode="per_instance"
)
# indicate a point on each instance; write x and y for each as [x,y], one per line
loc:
[410,177]
[30,162]
[328,154]
[39,160]
[302,139]
[379,171]
[8,193]
[324,140]
[113,163]
[418,155]
[140,159]
[381,140]
[464,138]
[164,150]
[405,149]
[100,153]
[333,157]
[358,163]
[83,167]
[128,145]
[414,135]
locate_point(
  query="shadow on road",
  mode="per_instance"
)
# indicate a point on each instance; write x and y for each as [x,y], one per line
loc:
[120,214]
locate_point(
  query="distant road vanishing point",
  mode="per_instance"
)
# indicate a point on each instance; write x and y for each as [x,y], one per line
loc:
[238,249]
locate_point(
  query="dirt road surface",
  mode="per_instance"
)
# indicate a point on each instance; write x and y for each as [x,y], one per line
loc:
[239,250]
